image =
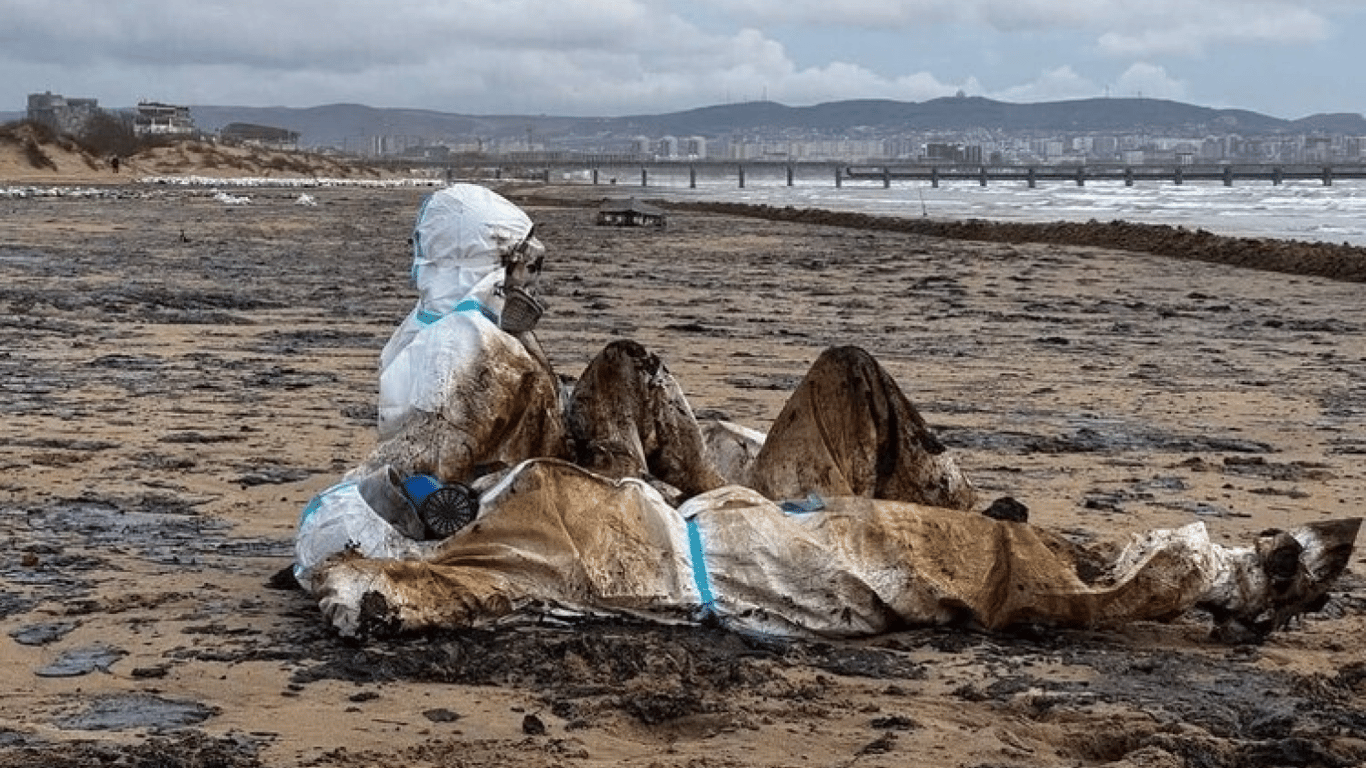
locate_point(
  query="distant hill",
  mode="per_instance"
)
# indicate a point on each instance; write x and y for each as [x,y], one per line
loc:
[351,126]
[960,114]
[341,125]
[1345,123]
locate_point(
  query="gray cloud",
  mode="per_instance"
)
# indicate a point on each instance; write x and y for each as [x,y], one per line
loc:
[1121,26]
[635,56]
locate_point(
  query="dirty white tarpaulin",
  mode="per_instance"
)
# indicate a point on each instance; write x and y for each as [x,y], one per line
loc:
[883,535]
[551,533]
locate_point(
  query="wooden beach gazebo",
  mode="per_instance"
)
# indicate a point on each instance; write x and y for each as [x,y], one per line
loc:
[629,213]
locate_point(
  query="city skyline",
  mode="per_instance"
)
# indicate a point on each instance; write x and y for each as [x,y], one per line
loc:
[582,58]
[954,130]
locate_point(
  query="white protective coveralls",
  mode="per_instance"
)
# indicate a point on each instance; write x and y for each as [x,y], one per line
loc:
[613,498]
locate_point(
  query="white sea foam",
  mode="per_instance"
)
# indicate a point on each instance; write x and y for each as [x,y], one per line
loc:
[149,186]
[32,191]
[1299,209]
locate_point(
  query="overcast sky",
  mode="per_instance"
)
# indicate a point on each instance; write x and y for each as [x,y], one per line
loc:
[1287,58]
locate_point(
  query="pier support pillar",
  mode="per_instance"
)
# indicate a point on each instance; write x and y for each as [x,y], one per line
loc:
[789,175]
[741,170]
[1276,176]
[1228,175]
[1128,177]
[982,176]
[1081,176]
[886,177]
[692,177]
[1327,176]
[595,177]
[644,177]
[1178,177]
[839,177]
[1033,181]
[934,178]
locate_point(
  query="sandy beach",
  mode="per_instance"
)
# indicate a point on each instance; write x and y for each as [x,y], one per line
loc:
[181,375]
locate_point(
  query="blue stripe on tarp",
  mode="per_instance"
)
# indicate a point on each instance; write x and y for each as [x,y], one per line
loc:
[472,305]
[313,504]
[812,503]
[427,317]
[699,566]
[317,501]
[469,305]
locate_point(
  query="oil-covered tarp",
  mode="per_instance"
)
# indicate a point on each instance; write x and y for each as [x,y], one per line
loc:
[554,534]
[848,517]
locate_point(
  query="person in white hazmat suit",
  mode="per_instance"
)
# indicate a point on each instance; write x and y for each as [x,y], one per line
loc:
[493,489]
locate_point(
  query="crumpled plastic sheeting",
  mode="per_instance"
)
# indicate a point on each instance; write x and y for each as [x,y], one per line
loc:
[462,394]
[731,448]
[550,532]
[554,534]
[459,239]
[339,520]
[849,430]
[460,398]
[628,417]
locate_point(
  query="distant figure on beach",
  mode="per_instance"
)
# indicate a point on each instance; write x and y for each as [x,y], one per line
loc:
[847,518]
[114,163]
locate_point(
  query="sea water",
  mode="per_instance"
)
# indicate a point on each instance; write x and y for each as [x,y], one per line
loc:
[1295,209]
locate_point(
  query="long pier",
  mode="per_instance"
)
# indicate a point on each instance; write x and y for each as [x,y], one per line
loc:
[1129,174]
[647,173]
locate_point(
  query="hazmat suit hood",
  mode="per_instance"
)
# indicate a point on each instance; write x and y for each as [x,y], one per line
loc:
[459,240]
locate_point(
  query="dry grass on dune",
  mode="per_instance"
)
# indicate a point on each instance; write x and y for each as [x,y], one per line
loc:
[31,153]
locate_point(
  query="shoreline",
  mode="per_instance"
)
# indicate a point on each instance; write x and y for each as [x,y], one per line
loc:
[1301,257]
[1334,261]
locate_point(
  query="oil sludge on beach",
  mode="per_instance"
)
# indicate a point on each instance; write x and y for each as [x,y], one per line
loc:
[182,373]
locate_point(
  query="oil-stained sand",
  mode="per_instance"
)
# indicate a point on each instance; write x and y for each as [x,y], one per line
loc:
[179,376]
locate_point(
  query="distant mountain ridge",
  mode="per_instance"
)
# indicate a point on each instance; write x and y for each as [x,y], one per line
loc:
[339,124]
[351,126]
[965,113]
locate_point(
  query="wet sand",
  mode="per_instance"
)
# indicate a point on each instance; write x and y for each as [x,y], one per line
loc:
[181,376]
